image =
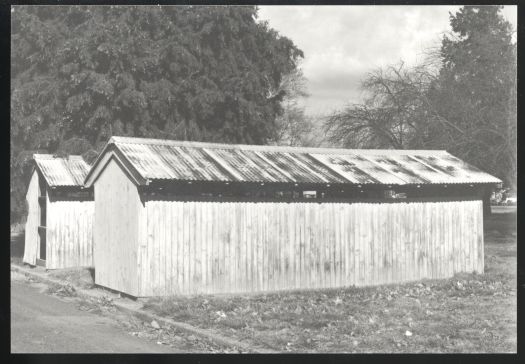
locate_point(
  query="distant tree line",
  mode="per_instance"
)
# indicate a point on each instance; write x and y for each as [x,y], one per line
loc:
[462,99]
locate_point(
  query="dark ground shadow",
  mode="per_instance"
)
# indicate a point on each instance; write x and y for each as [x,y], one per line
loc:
[17,245]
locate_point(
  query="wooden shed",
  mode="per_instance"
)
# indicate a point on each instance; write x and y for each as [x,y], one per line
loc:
[59,227]
[188,218]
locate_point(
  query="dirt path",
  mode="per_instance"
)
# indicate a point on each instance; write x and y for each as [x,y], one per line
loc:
[43,323]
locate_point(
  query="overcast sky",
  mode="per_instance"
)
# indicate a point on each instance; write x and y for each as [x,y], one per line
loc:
[342,43]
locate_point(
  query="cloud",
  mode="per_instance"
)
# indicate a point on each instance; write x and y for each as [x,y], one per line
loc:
[342,43]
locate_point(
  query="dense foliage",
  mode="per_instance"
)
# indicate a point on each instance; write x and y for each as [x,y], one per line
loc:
[477,89]
[466,105]
[81,74]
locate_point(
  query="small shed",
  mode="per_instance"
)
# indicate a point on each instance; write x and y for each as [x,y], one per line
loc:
[59,227]
[176,217]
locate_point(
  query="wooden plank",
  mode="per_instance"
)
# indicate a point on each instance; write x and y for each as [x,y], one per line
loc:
[301,236]
[450,239]
[32,222]
[395,245]
[346,245]
[436,241]
[481,241]
[169,215]
[250,249]
[323,240]
[376,236]
[454,241]
[461,239]
[273,253]
[339,266]
[164,226]
[210,249]
[170,251]
[215,250]
[309,251]
[410,243]
[362,244]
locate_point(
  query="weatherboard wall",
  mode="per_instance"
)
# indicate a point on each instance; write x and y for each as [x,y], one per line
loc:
[68,229]
[118,217]
[32,222]
[216,247]
[69,233]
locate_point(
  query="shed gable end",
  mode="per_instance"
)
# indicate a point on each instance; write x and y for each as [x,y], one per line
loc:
[117,216]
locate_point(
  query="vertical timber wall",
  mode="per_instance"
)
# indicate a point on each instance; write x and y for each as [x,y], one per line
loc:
[69,234]
[228,247]
[118,215]
[33,220]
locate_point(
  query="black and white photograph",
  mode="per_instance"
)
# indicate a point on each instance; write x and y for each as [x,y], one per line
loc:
[263,179]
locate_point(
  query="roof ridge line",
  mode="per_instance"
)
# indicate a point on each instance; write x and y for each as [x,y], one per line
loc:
[269,148]
[53,156]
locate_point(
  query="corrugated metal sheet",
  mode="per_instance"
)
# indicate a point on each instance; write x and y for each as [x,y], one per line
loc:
[166,159]
[61,171]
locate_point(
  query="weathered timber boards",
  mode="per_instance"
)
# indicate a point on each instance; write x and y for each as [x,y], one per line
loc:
[210,247]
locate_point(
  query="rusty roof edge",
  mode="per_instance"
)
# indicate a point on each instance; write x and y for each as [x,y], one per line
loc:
[272,148]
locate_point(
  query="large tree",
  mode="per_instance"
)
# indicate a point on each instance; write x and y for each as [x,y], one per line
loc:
[476,90]
[83,73]
[467,106]
[396,112]
[294,127]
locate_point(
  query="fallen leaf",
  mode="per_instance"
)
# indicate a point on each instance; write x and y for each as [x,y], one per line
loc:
[155,324]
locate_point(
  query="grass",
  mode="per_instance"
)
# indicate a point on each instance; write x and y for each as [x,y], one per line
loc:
[467,313]
[61,290]
[79,277]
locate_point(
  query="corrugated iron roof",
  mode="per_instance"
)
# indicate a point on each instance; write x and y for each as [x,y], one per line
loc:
[62,171]
[194,161]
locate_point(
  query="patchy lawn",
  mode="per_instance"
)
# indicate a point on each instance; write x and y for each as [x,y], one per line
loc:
[467,313]
[79,277]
